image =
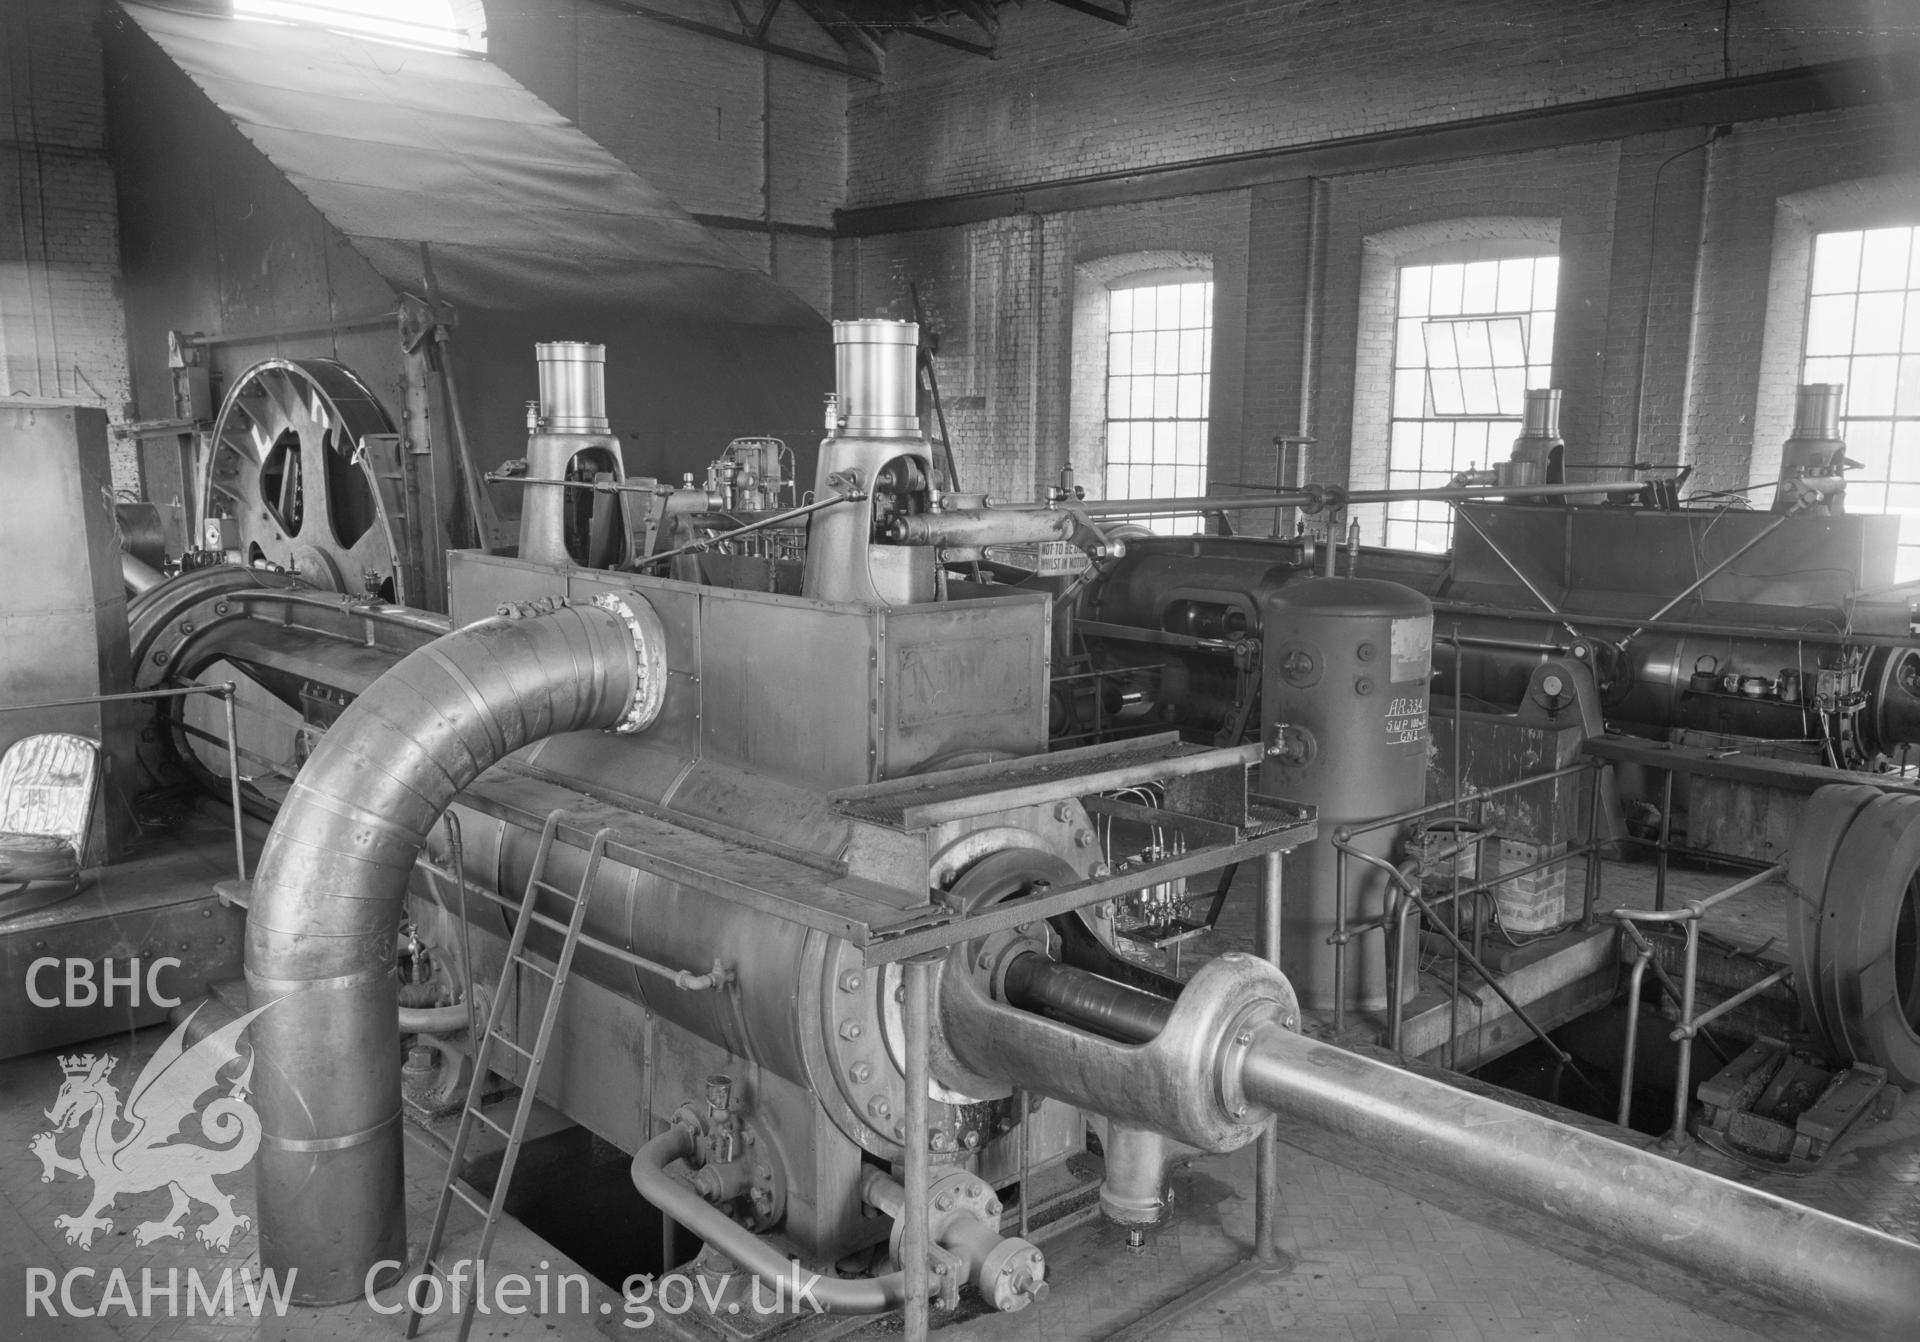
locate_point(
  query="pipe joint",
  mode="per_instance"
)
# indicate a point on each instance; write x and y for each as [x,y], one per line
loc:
[649,656]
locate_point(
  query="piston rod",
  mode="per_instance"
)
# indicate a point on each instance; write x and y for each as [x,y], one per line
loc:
[1843,1274]
[1078,997]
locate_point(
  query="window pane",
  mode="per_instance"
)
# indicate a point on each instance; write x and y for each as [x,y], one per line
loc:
[1439,338]
[1443,385]
[1540,338]
[1876,323]
[1193,352]
[1193,396]
[1546,283]
[1436,446]
[1883,258]
[1475,349]
[1830,325]
[1480,286]
[1166,352]
[1825,370]
[1140,402]
[1510,386]
[1119,353]
[1871,444]
[1144,318]
[1905,459]
[1872,389]
[1193,304]
[1119,440]
[1907,399]
[1409,350]
[1415,284]
[1477,393]
[1446,290]
[1836,262]
[1120,310]
[1409,393]
[1509,345]
[1166,391]
[1186,445]
[1516,285]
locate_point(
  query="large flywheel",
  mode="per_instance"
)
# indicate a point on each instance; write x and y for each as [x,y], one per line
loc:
[1854,871]
[291,470]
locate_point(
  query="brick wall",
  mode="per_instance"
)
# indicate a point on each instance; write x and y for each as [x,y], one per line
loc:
[62,329]
[1200,78]
[756,141]
[1673,344]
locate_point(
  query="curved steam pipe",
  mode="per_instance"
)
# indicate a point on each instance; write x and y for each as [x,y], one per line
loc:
[837,1295]
[328,894]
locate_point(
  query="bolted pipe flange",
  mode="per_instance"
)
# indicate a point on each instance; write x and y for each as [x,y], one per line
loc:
[649,655]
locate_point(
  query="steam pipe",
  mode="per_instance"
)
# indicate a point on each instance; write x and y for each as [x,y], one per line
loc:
[328,894]
[139,576]
[980,526]
[837,1295]
[434,1020]
[1842,1274]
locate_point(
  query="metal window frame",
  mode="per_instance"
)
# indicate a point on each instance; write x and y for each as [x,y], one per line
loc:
[1109,378]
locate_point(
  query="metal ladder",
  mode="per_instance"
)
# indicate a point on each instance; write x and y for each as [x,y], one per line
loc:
[470,1111]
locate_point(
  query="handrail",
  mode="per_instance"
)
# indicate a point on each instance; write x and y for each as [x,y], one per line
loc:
[1689,1025]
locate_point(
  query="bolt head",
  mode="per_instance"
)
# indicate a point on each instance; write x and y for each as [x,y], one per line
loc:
[970,1139]
[850,1029]
[1239,1111]
[860,1073]
[850,981]
[944,1202]
[879,1107]
[1243,1038]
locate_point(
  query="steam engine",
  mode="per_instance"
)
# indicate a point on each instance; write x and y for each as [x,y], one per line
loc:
[851,950]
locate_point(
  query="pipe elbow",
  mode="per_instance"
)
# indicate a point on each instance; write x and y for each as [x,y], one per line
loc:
[834,1295]
[331,883]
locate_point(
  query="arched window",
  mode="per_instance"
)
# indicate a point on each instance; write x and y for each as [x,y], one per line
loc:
[1143,354]
[1863,331]
[448,25]
[1457,322]
[1843,305]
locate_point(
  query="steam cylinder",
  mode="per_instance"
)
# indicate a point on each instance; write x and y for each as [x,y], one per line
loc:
[1345,670]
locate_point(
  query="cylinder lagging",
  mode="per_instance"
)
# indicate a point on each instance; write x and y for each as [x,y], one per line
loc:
[328,895]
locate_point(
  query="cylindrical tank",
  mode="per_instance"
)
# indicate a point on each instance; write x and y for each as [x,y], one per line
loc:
[1345,669]
[573,386]
[874,370]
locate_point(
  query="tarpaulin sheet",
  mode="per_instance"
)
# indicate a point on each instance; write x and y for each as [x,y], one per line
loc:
[399,147]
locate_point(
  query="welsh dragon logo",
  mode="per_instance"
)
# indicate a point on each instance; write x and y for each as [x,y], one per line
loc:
[134,1152]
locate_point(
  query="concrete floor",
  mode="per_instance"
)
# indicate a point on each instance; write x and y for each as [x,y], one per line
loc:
[1370,1259]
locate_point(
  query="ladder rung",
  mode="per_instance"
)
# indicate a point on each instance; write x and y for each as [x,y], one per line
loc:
[490,1123]
[553,889]
[538,969]
[502,1039]
[460,1192]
